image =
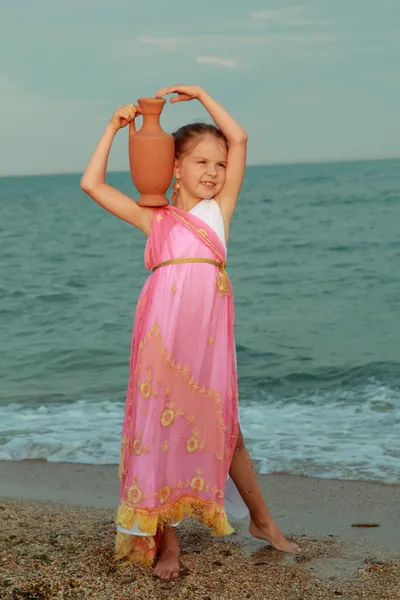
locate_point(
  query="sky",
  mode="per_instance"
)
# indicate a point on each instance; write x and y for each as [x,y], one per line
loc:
[314,80]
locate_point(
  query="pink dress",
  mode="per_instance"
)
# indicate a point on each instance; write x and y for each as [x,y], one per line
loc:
[181,414]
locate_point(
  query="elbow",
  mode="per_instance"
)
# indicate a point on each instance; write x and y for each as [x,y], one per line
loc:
[239,139]
[86,185]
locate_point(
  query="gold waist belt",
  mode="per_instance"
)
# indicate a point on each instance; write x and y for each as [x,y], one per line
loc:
[222,281]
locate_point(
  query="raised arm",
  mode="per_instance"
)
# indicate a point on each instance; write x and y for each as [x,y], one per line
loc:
[234,133]
[93,181]
[236,163]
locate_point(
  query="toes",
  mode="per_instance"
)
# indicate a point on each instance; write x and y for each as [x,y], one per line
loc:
[175,575]
[164,574]
[167,574]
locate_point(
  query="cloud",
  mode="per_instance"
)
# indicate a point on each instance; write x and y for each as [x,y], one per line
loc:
[278,14]
[289,16]
[218,62]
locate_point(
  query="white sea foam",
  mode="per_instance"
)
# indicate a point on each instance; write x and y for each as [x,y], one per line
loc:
[344,435]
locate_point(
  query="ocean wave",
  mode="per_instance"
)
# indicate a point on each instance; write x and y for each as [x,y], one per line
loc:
[342,434]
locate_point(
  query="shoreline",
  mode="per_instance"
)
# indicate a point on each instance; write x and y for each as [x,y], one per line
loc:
[301,505]
[58,532]
[260,475]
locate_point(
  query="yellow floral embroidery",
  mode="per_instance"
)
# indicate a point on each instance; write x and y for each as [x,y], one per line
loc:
[137,447]
[170,414]
[168,417]
[197,484]
[145,386]
[145,389]
[164,494]
[165,445]
[217,492]
[159,217]
[173,289]
[192,445]
[211,340]
[135,494]
[184,371]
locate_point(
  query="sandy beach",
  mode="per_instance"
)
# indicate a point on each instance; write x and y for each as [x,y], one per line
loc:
[57,536]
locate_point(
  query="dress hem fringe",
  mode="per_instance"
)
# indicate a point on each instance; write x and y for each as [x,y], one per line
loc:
[130,548]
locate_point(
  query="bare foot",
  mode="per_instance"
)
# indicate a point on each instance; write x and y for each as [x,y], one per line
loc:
[167,565]
[272,534]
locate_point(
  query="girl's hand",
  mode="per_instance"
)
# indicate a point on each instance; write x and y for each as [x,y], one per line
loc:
[124,115]
[184,92]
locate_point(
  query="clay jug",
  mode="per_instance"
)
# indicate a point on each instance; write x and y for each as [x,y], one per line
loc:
[151,155]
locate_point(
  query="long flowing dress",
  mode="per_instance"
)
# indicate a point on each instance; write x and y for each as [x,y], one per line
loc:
[181,421]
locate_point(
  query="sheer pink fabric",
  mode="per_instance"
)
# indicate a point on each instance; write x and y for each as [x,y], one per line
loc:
[181,416]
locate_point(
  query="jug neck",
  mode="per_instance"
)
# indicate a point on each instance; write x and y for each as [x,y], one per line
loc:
[151,110]
[150,121]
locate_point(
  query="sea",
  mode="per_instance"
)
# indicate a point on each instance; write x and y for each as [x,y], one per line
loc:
[314,258]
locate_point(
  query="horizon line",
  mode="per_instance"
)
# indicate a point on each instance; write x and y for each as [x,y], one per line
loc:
[270,164]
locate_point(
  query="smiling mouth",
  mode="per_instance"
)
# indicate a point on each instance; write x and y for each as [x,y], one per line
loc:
[208,184]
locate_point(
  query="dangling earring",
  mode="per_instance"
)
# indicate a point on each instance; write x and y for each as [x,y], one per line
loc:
[176,187]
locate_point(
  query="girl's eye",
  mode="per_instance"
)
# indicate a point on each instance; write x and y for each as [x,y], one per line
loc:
[201,162]
[222,165]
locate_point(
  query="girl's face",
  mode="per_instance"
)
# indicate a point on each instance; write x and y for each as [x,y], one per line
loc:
[201,172]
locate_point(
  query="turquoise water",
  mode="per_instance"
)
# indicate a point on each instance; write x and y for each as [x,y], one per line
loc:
[314,260]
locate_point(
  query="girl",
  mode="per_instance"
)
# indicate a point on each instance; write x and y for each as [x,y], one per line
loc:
[181,436]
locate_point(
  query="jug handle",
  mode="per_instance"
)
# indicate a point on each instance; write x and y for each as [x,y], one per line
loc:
[132,127]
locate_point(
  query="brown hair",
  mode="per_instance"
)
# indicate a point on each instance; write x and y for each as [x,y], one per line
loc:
[186,136]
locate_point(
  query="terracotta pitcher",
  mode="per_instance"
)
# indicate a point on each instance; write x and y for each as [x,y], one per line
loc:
[151,155]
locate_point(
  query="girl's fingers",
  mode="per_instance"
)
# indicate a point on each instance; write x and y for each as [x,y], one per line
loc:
[180,98]
[134,110]
[167,90]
